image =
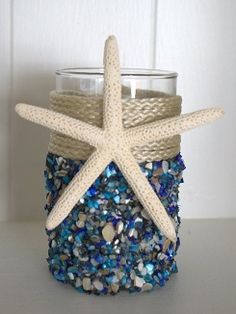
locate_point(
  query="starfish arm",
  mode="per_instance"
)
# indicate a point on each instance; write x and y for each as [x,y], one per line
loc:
[112,87]
[77,187]
[171,126]
[145,193]
[61,123]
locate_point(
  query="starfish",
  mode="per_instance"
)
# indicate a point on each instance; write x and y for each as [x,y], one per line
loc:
[114,143]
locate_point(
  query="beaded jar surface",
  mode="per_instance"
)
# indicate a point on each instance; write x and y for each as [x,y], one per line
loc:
[108,242]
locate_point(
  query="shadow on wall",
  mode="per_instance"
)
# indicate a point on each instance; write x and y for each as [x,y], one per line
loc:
[28,148]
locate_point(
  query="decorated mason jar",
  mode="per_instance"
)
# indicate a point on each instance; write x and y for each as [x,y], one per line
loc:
[113,171]
[109,242]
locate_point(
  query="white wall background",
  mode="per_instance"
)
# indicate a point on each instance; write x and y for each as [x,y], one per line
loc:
[195,38]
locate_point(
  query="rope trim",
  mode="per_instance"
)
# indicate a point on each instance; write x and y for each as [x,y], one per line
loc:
[136,112]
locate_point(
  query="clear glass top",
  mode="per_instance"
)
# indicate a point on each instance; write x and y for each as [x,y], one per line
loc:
[89,81]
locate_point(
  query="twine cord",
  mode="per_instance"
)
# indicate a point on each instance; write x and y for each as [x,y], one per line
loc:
[135,112]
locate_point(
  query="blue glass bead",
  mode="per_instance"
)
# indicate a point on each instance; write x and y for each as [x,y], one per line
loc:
[49,184]
[97,182]
[148,278]
[65,233]
[174,268]
[109,279]
[150,268]
[91,191]
[99,258]
[108,195]
[131,224]
[172,209]
[116,199]
[122,187]
[92,204]
[163,192]
[112,184]
[134,247]
[59,276]
[123,281]
[110,170]
[66,179]
[50,161]
[166,274]
[73,270]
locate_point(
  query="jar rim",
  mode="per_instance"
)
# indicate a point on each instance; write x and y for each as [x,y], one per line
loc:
[125,72]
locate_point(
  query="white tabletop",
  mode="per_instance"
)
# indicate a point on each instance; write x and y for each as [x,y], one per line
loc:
[205,284]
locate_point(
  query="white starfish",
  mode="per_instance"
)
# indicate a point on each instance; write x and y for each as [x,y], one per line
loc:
[113,143]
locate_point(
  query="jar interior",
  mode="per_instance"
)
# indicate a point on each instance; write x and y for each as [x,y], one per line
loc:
[89,81]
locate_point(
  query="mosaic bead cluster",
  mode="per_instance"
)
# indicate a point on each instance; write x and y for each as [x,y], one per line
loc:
[108,242]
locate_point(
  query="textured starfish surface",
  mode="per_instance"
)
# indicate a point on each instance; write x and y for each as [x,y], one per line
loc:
[113,143]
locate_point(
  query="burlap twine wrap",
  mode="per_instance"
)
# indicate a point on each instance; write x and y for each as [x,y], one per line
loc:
[148,106]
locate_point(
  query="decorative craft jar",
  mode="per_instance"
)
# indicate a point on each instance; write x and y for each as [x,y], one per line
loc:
[112,175]
[109,242]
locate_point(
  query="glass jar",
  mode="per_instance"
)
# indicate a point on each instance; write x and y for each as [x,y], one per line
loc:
[90,80]
[108,242]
